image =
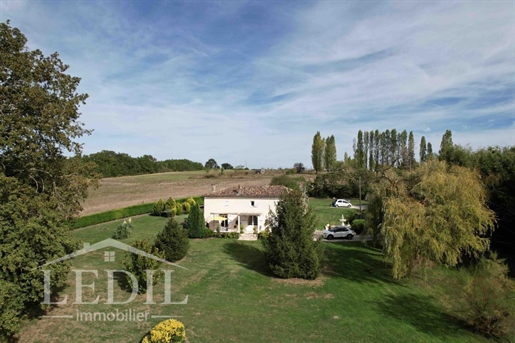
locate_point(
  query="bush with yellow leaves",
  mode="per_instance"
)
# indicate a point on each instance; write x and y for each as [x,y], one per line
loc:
[167,331]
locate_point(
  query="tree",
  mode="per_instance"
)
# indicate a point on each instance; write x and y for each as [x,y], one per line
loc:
[446,146]
[317,153]
[299,167]
[330,154]
[429,151]
[411,150]
[196,222]
[359,154]
[290,249]
[437,213]
[42,190]
[227,166]
[173,241]
[423,149]
[366,141]
[211,164]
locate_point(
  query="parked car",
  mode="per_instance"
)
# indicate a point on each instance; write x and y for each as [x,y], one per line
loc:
[341,203]
[339,232]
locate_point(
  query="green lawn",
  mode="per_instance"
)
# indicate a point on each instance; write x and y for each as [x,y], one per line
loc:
[327,214]
[233,298]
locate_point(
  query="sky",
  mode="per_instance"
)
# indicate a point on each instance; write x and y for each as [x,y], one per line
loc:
[251,82]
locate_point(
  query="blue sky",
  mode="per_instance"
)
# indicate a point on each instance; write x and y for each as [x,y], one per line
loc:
[251,82]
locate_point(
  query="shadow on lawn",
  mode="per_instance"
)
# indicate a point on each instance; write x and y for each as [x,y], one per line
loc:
[420,312]
[248,256]
[356,262]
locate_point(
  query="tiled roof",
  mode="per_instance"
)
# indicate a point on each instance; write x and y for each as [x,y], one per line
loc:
[250,192]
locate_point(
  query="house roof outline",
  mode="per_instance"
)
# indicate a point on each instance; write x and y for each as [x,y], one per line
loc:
[109,242]
[271,192]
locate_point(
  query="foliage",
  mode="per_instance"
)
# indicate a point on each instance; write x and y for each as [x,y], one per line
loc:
[178,208]
[317,153]
[173,241]
[120,213]
[170,207]
[288,181]
[124,230]
[186,207]
[11,308]
[262,235]
[227,166]
[158,208]
[482,295]
[191,201]
[435,214]
[196,222]
[228,235]
[330,154]
[290,249]
[423,149]
[167,331]
[138,264]
[299,167]
[358,225]
[41,189]
[211,164]
[111,164]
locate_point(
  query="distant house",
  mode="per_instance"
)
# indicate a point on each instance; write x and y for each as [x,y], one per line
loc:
[247,207]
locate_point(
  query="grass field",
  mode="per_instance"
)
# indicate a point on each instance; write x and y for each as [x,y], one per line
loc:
[330,215]
[233,298]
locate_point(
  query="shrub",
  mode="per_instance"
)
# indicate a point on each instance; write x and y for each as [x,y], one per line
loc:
[124,230]
[173,241]
[233,235]
[158,208]
[262,235]
[196,222]
[178,209]
[167,331]
[207,233]
[138,264]
[186,207]
[170,207]
[288,181]
[191,201]
[487,298]
[358,225]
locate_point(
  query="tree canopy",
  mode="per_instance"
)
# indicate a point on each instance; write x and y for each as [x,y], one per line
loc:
[41,189]
[317,152]
[437,213]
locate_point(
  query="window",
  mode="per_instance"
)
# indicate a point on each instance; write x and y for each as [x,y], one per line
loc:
[253,203]
[224,223]
[108,256]
[252,220]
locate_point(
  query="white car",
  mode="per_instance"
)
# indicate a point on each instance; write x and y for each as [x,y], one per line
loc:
[341,203]
[339,232]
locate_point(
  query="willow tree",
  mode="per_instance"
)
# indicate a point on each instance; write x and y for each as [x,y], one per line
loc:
[437,213]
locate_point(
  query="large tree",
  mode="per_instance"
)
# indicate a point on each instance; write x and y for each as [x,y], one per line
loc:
[423,149]
[330,154]
[438,213]
[317,152]
[41,189]
[290,249]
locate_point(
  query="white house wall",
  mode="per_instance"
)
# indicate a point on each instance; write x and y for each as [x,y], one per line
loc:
[236,206]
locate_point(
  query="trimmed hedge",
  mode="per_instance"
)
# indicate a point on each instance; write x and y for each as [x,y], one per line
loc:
[120,213]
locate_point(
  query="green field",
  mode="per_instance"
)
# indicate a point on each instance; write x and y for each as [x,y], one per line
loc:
[233,298]
[330,215]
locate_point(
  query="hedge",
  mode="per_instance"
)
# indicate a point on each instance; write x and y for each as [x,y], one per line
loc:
[120,213]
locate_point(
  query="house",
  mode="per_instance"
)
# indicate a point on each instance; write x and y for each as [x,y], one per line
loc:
[248,207]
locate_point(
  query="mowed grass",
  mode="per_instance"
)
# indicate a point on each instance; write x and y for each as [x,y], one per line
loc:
[327,214]
[232,297]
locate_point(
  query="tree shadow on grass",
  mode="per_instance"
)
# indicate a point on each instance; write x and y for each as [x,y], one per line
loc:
[356,262]
[420,312]
[248,256]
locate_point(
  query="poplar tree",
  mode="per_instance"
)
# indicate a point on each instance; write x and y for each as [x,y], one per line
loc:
[317,152]
[330,153]
[423,149]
